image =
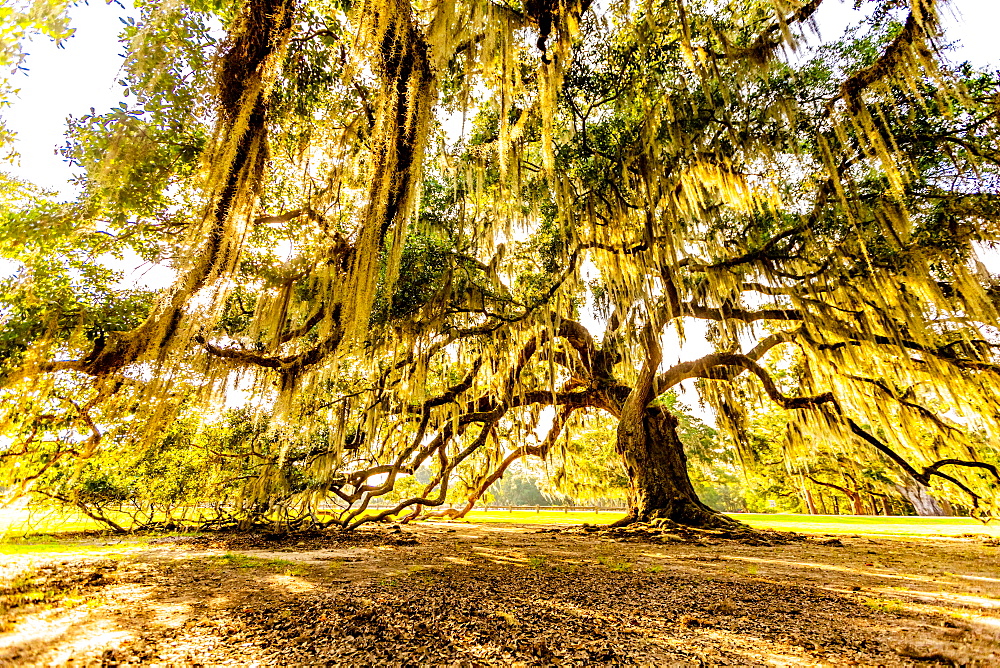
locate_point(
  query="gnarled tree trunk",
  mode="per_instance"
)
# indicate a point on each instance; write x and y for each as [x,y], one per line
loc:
[659,486]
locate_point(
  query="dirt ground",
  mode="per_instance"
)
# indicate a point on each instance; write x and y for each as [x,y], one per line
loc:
[467,594]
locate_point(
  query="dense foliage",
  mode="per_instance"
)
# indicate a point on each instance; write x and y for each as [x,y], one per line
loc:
[416,242]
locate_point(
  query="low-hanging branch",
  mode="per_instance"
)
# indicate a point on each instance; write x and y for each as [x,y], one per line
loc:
[922,477]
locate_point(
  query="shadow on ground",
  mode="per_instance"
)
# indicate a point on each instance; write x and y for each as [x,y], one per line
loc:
[488,594]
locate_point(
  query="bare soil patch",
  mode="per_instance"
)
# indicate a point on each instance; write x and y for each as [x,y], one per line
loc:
[455,593]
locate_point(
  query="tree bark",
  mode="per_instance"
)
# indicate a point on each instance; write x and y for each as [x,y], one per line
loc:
[659,486]
[808,502]
[857,503]
[923,503]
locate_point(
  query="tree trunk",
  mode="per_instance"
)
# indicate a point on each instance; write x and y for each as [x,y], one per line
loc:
[857,504]
[808,499]
[659,486]
[822,503]
[923,503]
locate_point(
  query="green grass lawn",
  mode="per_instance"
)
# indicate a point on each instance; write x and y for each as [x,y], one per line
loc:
[20,522]
[16,525]
[853,524]
[820,524]
[542,517]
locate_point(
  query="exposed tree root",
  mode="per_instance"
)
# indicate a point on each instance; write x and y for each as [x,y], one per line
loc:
[683,513]
[696,525]
[667,531]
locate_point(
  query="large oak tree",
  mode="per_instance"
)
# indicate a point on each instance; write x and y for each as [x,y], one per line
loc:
[395,224]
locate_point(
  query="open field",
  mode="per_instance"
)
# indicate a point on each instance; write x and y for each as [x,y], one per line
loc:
[872,525]
[819,524]
[15,523]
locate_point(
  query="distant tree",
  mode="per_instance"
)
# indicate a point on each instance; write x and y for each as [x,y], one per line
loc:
[518,490]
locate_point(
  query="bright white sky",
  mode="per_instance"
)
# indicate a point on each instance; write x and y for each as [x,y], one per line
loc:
[82,75]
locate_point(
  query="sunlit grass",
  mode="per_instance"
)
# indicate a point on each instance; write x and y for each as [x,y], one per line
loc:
[615,563]
[542,517]
[536,562]
[247,561]
[20,522]
[883,605]
[816,524]
[853,524]
[21,532]
[42,544]
[56,544]
[24,533]
[38,521]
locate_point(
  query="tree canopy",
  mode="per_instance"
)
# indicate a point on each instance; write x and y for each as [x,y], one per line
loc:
[414,242]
